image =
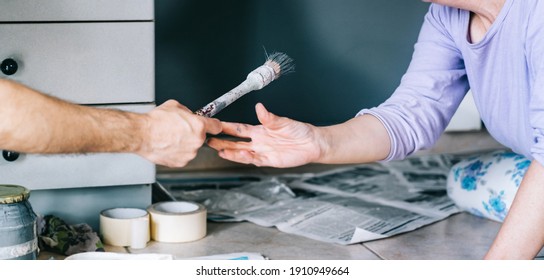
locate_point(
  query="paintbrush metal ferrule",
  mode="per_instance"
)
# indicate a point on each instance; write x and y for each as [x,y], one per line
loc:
[261,77]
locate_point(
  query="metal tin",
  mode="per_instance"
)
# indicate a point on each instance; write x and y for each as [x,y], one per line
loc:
[18,232]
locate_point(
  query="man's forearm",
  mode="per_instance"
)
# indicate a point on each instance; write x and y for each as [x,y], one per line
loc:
[32,122]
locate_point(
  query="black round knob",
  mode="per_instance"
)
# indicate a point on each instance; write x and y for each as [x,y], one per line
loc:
[10,155]
[9,66]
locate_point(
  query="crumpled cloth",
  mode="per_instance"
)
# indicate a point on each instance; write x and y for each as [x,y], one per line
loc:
[55,235]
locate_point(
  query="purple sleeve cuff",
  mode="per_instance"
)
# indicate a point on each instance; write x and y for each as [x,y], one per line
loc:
[392,140]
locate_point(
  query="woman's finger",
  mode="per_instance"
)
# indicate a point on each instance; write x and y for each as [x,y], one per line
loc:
[221,144]
[237,129]
[240,156]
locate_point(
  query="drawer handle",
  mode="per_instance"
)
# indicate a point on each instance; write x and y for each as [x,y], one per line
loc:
[10,155]
[9,66]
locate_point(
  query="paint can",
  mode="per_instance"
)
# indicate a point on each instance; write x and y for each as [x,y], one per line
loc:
[18,232]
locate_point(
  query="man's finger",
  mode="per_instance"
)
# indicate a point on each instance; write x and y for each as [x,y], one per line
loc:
[213,126]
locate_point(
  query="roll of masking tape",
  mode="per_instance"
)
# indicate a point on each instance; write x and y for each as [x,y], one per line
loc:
[177,221]
[125,227]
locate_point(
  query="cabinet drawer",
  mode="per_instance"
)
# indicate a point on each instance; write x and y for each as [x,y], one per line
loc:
[69,171]
[75,10]
[86,63]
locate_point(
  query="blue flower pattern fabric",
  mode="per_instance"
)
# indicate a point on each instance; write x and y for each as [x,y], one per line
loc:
[496,205]
[486,185]
[471,174]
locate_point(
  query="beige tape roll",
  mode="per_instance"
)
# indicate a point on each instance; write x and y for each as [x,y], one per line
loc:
[177,221]
[125,227]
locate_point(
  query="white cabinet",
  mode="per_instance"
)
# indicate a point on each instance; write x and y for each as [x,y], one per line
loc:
[92,52]
[466,117]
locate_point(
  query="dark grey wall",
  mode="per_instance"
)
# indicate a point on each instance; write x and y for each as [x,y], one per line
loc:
[349,54]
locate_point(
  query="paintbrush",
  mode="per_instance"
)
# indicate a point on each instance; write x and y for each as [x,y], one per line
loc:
[276,65]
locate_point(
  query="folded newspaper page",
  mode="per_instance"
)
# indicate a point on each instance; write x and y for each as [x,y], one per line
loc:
[345,205]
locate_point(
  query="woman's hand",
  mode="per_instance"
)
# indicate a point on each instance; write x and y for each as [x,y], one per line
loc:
[277,142]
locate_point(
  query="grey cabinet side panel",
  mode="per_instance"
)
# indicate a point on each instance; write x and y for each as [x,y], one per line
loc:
[87,63]
[75,10]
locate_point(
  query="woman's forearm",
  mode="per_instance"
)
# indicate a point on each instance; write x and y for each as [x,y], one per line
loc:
[359,140]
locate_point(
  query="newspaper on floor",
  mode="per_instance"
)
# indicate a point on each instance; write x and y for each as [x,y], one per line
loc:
[345,205]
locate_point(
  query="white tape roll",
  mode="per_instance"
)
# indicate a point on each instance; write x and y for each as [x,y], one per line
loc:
[177,221]
[125,227]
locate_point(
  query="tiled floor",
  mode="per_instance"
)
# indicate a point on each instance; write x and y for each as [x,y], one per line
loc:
[461,236]
[224,238]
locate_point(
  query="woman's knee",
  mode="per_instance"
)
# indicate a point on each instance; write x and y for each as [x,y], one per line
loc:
[485,185]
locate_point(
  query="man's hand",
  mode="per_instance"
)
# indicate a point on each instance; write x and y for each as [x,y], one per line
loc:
[173,134]
[32,122]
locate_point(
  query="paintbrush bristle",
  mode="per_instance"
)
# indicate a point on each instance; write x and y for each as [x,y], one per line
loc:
[281,63]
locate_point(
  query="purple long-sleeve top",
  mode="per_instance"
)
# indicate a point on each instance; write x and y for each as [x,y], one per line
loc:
[504,72]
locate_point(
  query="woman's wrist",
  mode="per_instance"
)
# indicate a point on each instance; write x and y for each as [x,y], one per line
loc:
[322,140]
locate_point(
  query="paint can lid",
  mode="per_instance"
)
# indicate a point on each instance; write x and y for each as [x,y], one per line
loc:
[13,194]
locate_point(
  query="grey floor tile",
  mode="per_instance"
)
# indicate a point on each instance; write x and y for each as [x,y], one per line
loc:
[46,255]
[225,238]
[459,237]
